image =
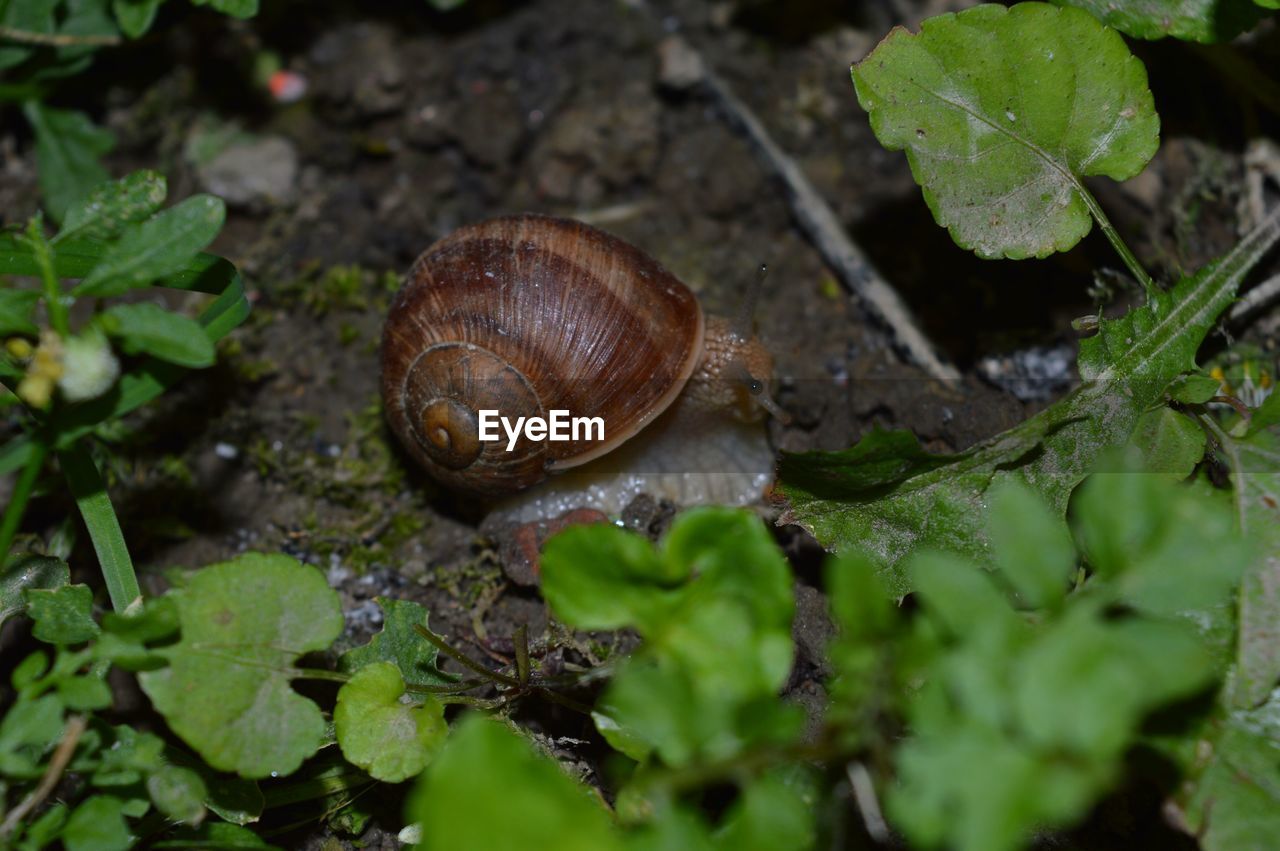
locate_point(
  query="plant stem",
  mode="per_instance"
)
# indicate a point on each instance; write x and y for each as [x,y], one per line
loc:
[321,674]
[463,659]
[453,688]
[104,527]
[57,39]
[52,288]
[522,654]
[1113,236]
[21,496]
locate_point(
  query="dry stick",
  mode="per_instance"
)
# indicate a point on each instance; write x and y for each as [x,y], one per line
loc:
[70,738]
[57,39]
[820,224]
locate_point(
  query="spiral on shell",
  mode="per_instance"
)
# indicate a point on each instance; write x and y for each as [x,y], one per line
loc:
[523,315]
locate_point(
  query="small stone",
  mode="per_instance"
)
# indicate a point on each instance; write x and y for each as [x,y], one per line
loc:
[226,451]
[679,65]
[253,173]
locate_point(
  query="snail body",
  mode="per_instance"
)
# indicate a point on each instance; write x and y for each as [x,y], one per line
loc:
[529,314]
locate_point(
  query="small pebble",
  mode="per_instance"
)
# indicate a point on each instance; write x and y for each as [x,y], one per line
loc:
[226,451]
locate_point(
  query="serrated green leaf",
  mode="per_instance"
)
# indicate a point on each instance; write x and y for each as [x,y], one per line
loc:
[68,145]
[162,245]
[29,572]
[16,312]
[938,501]
[98,825]
[62,615]
[235,8]
[1031,547]
[1168,551]
[1189,20]
[1170,442]
[178,793]
[147,328]
[1003,112]
[226,690]
[135,16]
[521,800]
[108,210]
[391,740]
[400,644]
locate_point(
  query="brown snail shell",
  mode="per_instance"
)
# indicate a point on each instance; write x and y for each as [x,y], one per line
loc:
[525,314]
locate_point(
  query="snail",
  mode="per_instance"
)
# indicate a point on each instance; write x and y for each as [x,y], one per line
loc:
[525,315]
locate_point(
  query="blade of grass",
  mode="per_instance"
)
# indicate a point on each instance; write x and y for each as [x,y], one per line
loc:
[21,496]
[104,527]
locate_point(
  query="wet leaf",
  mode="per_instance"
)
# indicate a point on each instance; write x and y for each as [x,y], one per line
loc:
[162,245]
[388,738]
[226,690]
[1003,112]
[521,800]
[110,208]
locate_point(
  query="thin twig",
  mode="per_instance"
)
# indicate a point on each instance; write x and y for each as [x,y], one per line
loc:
[819,222]
[1255,299]
[57,763]
[58,39]
[864,796]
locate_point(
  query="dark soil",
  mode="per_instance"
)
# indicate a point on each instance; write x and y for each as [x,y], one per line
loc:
[417,122]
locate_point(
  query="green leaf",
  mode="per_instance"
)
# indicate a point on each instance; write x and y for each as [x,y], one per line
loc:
[391,740]
[68,145]
[147,328]
[28,729]
[1003,112]
[162,245]
[1194,388]
[1170,442]
[235,8]
[1168,551]
[1254,462]
[28,572]
[135,16]
[62,615]
[108,210]
[1189,20]
[84,694]
[1266,415]
[1232,802]
[226,690]
[230,798]
[33,16]
[1031,546]
[602,577]
[178,793]
[16,310]
[81,18]
[98,825]
[520,800]
[398,643]
[936,501]
[127,758]
[771,813]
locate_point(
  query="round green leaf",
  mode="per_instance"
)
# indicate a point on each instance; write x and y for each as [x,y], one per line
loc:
[1002,112]
[393,741]
[179,793]
[226,690]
